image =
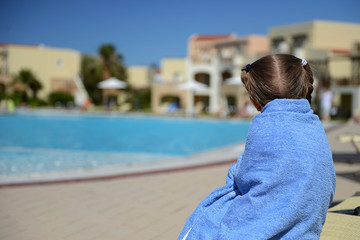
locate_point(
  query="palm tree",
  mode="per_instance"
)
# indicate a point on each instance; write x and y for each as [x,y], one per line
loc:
[108,55]
[92,74]
[113,65]
[27,78]
[35,86]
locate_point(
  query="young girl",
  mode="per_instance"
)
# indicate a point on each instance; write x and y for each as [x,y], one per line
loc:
[283,183]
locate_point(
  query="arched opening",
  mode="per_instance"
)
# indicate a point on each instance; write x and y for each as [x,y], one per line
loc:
[226,75]
[201,104]
[203,78]
[170,103]
[231,104]
[345,110]
[112,101]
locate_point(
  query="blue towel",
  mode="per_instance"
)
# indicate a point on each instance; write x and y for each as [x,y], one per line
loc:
[281,185]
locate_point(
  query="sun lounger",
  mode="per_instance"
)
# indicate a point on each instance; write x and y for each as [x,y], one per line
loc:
[341,223]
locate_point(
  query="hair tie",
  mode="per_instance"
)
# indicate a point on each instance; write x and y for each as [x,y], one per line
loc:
[303,62]
[247,68]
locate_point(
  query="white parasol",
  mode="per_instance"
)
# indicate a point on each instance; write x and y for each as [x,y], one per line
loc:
[233,81]
[112,83]
[193,86]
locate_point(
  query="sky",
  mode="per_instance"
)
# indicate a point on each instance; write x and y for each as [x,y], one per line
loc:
[144,32]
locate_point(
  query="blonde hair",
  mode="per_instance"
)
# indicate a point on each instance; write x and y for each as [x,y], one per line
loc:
[278,76]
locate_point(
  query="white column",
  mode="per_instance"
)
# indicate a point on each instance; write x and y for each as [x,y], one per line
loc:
[215,87]
[189,94]
[190,100]
[356,100]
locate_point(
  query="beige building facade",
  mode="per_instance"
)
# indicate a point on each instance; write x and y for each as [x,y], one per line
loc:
[333,50]
[55,68]
[173,70]
[140,77]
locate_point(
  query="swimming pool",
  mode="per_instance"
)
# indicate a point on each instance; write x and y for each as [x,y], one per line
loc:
[38,142]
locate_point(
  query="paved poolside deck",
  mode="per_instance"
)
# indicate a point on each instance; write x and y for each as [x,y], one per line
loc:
[149,206]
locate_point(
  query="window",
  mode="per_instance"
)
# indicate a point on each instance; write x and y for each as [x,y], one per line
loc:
[298,45]
[205,57]
[226,53]
[226,75]
[177,77]
[59,63]
[299,41]
[276,42]
[357,48]
[203,78]
[279,45]
[158,78]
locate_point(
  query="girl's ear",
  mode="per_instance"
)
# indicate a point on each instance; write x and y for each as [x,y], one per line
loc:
[256,105]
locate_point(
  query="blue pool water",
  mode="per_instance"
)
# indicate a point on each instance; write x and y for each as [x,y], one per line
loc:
[38,142]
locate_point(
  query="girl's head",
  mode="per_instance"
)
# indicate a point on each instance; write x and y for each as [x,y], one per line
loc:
[277,76]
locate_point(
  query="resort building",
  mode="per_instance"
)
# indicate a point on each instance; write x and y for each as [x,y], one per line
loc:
[333,50]
[55,68]
[215,61]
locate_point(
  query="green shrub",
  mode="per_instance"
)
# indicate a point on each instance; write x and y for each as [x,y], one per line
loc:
[37,102]
[19,97]
[3,96]
[141,99]
[60,97]
[95,97]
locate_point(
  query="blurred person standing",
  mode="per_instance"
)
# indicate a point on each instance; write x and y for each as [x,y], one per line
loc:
[325,103]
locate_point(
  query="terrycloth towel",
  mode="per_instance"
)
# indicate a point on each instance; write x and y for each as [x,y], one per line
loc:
[280,187]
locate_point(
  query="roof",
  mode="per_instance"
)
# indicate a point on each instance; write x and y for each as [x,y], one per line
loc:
[340,50]
[38,46]
[214,37]
[309,23]
[17,44]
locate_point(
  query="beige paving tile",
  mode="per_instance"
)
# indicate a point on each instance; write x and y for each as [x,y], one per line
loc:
[118,237]
[92,232]
[11,232]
